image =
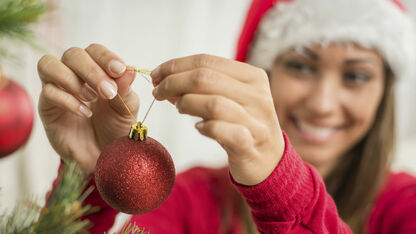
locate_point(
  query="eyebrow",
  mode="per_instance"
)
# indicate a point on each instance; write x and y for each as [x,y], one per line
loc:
[309,53]
[355,61]
[306,51]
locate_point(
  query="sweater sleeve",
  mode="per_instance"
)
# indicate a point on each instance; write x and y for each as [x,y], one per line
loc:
[293,199]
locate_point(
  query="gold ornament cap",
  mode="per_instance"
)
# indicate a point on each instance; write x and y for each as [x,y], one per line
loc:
[138,132]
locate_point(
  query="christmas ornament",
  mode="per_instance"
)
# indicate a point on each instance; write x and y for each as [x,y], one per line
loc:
[16,116]
[135,177]
[135,174]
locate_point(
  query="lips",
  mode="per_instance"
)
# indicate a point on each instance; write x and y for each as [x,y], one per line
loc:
[315,133]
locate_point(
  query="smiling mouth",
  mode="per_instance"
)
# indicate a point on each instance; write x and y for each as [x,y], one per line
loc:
[314,134]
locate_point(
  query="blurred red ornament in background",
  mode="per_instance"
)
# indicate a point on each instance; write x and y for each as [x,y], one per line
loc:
[16,116]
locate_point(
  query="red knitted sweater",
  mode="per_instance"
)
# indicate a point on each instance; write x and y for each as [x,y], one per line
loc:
[292,199]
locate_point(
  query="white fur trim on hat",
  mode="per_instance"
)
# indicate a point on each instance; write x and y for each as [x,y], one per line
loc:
[374,24]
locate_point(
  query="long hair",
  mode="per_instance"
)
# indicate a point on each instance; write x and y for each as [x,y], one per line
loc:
[355,182]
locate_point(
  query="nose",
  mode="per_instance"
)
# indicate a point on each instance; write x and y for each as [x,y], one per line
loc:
[322,99]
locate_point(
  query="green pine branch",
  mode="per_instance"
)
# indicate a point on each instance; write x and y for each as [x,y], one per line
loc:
[62,213]
[16,17]
[64,210]
[20,220]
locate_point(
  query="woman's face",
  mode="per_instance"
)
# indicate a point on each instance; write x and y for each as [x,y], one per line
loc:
[326,99]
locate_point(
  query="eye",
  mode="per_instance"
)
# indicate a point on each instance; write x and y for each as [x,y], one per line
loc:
[356,78]
[297,66]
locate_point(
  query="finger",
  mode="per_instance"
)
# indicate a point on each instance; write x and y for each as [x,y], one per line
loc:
[107,60]
[213,107]
[124,82]
[204,81]
[80,62]
[51,70]
[234,138]
[55,96]
[219,64]
[128,102]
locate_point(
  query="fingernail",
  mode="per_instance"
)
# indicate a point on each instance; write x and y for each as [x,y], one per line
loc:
[117,67]
[88,94]
[85,111]
[199,125]
[155,73]
[108,89]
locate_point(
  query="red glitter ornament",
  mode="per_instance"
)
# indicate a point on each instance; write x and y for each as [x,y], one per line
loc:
[16,116]
[135,177]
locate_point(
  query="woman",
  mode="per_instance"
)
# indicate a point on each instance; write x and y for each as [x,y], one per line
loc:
[324,72]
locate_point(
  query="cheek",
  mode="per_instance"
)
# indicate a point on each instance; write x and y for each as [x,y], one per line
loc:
[287,93]
[362,111]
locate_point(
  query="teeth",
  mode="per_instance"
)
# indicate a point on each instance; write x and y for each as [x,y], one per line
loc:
[318,132]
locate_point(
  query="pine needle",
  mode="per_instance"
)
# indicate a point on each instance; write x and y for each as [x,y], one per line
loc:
[16,16]
[130,228]
[62,213]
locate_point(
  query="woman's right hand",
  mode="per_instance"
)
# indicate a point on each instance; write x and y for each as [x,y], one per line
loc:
[77,105]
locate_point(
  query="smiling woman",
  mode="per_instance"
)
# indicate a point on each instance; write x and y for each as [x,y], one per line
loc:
[336,104]
[306,116]
[326,99]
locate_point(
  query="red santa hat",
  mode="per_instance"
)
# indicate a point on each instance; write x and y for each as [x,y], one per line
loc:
[275,26]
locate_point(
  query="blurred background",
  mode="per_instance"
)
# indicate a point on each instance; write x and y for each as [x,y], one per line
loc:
[146,33]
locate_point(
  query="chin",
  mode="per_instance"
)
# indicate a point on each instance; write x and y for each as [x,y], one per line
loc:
[316,156]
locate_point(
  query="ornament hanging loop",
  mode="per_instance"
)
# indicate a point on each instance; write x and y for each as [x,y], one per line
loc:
[138,131]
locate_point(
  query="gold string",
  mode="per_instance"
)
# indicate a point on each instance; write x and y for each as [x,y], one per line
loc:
[127,108]
[142,72]
[148,110]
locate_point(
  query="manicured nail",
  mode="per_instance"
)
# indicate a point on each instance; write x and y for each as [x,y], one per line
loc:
[108,89]
[117,67]
[85,111]
[88,94]
[199,125]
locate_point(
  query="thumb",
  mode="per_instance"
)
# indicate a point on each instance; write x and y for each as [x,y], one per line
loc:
[126,105]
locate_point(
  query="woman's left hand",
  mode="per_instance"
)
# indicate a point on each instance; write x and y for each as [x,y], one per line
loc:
[235,102]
